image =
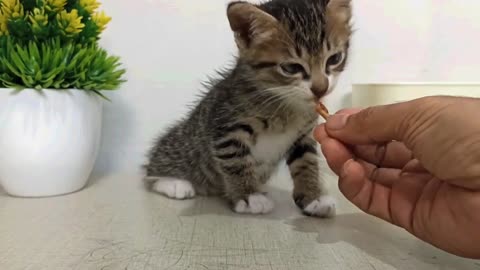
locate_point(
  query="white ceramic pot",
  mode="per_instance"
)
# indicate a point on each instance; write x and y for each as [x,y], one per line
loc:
[49,140]
[366,95]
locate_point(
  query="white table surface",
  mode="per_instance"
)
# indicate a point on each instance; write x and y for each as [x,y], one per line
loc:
[115,224]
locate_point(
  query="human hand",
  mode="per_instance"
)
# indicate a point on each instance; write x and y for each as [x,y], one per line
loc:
[413,164]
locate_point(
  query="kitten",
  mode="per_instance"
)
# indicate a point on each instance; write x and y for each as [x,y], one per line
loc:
[261,111]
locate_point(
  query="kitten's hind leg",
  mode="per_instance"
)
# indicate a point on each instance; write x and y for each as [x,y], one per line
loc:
[310,192]
[173,188]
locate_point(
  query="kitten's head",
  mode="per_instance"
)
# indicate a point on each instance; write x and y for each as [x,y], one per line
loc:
[296,47]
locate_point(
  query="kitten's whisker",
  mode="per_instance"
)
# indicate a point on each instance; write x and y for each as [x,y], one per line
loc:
[273,97]
[271,100]
[282,96]
[282,104]
[269,92]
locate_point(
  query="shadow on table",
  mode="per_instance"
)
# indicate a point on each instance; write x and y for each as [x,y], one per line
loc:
[386,243]
[380,240]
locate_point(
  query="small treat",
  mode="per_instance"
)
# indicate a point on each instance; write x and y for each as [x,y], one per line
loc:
[322,110]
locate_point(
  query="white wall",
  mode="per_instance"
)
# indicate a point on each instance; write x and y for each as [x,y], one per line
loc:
[170,46]
[417,40]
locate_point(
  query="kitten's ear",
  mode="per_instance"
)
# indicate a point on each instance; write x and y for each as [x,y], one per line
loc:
[339,3]
[341,8]
[250,24]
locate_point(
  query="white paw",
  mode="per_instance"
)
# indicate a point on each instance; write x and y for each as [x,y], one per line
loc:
[174,188]
[255,204]
[323,207]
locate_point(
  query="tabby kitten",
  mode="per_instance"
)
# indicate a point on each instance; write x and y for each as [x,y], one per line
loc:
[261,111]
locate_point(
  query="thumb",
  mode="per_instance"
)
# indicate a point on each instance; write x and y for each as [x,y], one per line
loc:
[376,125]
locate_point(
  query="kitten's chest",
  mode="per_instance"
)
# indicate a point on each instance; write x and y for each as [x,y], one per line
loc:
[270,147]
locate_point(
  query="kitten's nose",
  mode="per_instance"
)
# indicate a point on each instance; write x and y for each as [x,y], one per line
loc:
[320,86]
[319,91]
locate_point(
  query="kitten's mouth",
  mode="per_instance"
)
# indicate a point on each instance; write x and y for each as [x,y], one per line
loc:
[318,97]
[316,100]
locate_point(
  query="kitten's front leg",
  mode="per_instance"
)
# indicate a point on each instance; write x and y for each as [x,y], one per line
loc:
[241,178]
[310,193]
[242,191]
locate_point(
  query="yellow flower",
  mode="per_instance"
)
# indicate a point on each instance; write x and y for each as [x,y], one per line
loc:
[89,5]
[38,19]
[9,9]
[101,20]
[12,9]
[3,24]
[70,23]
[55,5]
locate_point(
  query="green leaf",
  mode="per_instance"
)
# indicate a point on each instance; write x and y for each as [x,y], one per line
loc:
[16,59]
[58,64]
[13,69]
[101,95]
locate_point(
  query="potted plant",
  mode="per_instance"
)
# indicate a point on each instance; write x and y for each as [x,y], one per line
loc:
[52,72]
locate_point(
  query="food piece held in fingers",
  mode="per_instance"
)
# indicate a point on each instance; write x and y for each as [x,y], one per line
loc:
[322,110]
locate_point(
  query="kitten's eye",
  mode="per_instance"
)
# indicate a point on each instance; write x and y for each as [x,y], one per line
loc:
[335,59]
[292,68]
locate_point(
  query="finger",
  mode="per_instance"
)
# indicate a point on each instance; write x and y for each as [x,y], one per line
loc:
[414,166]
[370,197]
[404,198]
[373,125]
[383,176]
[336,154]
[349,111]
[320,133]
[391,155]
[395,205]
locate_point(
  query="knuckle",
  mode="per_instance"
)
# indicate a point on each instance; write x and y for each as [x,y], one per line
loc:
[429,101]
[423,117]
[433,105]
[366,121]
[365,116]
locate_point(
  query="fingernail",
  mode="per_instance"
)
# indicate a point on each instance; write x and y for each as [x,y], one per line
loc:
[337,121]
[346,167]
